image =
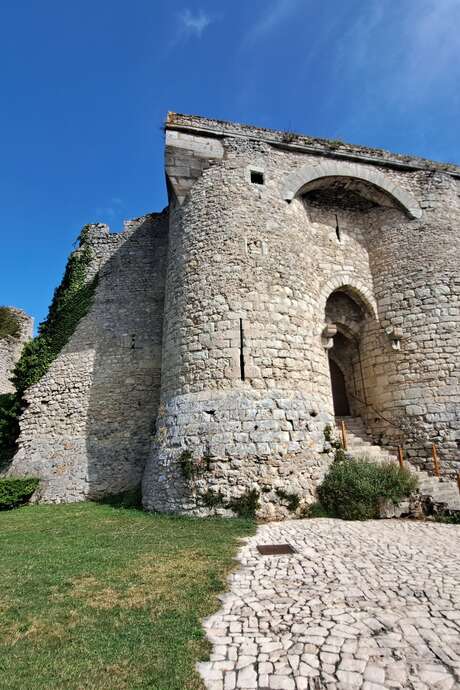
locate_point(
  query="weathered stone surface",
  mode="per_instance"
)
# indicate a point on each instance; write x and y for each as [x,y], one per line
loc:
[207,335]
[383,596]
[89,422]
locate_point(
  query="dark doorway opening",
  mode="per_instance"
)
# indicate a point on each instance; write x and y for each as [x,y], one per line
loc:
[339,390]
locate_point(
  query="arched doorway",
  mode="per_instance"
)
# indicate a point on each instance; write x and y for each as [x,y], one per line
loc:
[349,314]
[339,390]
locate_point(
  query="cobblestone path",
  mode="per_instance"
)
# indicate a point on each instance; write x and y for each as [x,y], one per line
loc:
[368,605]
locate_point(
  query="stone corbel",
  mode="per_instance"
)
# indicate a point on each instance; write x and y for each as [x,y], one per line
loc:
[328,334]
[394,333]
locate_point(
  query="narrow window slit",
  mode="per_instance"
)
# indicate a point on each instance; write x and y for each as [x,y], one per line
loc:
[241,351]
[337,227]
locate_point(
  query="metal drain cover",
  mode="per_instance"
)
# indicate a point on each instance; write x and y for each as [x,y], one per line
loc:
[274,549]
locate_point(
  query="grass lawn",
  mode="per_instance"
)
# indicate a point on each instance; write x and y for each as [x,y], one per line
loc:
[98,597]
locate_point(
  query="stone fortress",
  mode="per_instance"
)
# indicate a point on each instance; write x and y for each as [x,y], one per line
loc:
[291,280]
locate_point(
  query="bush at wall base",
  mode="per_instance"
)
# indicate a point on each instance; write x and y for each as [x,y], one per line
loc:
[16,491]
[352,488]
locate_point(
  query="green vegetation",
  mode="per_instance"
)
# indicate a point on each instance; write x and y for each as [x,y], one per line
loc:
[352,488]
[245,505]
[213,499]
[10,409]
[334,143]
[292,500]
[453,519]
[9,323]
[70,303]
[108,599]
[315,510]
[16,491]
[187,465]
[191,467]
[288,137]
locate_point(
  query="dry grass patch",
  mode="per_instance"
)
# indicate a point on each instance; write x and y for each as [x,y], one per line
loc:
[107,599]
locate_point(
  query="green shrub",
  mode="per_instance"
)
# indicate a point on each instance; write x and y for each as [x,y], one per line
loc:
[340,455]
[9,426]
[16,491]
[190,466]
[213,499]
[187,464]
[315,510]
[453,519]
[352,488]
[246,505]
[292,500]
[9,323]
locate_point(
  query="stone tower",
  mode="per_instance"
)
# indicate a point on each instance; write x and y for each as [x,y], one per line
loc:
[291,280]
[12,344]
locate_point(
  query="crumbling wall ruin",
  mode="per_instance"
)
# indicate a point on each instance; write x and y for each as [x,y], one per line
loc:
[11,346]
[89,421]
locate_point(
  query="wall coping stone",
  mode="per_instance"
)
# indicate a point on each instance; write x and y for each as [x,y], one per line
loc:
[302,143]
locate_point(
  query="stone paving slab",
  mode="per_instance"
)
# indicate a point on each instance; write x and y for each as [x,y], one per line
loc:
[368,605]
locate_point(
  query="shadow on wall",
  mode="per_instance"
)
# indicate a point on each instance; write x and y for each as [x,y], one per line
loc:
[126,323]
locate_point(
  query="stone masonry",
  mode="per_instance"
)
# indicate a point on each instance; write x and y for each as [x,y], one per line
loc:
[11,346]
[357,605]
[204,366]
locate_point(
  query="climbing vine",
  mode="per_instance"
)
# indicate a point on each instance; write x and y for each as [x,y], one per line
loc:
[9,323]
[70,303]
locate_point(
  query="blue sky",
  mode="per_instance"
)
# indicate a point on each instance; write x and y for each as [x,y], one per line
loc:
[85,87]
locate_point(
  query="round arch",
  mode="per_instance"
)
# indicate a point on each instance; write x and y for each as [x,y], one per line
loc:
[295,182]
[353,286]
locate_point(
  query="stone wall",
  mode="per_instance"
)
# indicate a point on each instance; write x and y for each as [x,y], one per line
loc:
[245,376]
[272,243]
[89,422]
[11,347]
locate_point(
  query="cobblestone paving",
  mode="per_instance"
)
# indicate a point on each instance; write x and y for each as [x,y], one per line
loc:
[368,605]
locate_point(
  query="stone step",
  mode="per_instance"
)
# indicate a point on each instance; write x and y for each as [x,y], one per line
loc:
[359,444]
[355,431]
[350,422]
[368,448]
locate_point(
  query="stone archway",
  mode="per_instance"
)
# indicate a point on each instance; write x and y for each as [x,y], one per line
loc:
[295,183]
[349,315]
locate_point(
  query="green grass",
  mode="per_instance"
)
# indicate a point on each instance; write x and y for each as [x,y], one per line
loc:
[95,597]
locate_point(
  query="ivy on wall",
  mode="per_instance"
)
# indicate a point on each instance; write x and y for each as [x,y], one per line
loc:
[9,323]
[70,303]
[10,409]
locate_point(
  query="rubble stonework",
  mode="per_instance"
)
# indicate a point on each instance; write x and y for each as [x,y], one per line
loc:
[278,254]
[10,348]
[89,422]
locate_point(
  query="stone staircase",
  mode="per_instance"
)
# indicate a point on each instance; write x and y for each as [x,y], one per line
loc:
[359,444]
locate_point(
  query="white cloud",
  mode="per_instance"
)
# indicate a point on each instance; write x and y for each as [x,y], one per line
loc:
[193,24]
[432,34]
[403,50]
[276,12]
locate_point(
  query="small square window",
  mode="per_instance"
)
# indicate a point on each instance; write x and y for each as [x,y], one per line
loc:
[257,177]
